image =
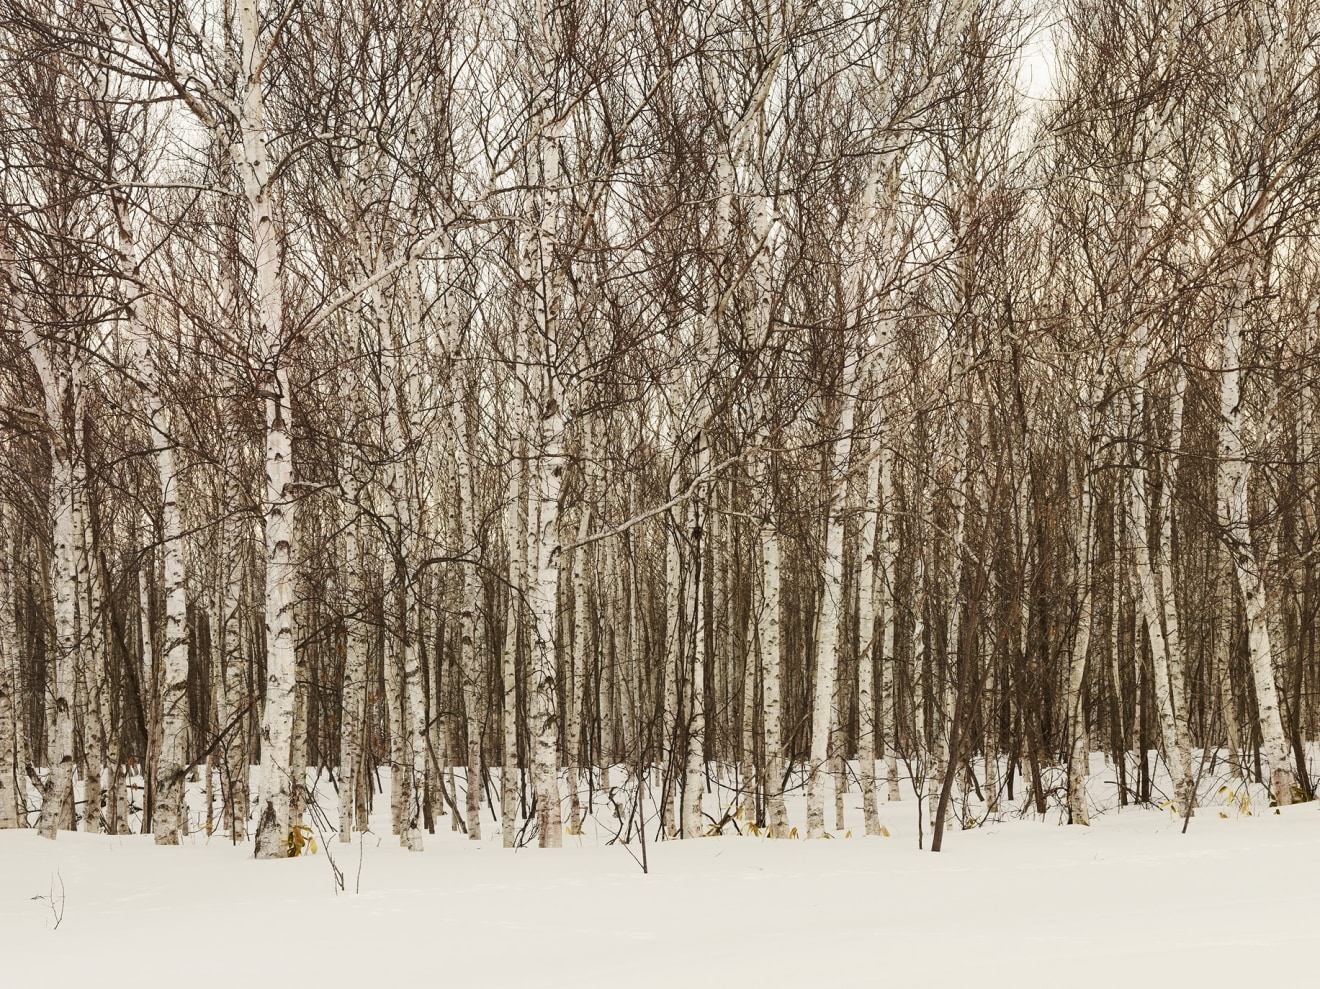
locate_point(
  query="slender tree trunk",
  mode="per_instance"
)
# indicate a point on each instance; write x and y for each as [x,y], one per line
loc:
[59,389]
[275,787]
[236,691]
[886,585]
[856,359]
[61,664]
[172,758]
[353,697]
[828,642]
[1177,746]
[471,619]
[93,671]
[543,587]
[516,526]
[694,697]
[673,674]
[771,659]
[1079,750]
[1234,516]
[867,581]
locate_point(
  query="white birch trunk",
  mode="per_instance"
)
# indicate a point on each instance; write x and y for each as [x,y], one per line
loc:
[828,643]
[579,658]
[748,782]
[60,685]
[147,678]
[59,390]
[353,700]
[93,670]
[236,714]
[172,759]
[856,363]
[516,524]
[768,635]
[1079,750]
[414,724]
[1162,560]
[694,700]
[544,492]
[1146,558]
[673,671]
[400,778]
[868,582]
[1233,476]
[411,742]
[275,786]
[719,748]
[920,688]
[953,625]
[885,586]
[765,658]
[543,591]
[470,618]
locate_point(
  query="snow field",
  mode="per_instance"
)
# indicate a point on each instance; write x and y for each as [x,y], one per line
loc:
[1234,901]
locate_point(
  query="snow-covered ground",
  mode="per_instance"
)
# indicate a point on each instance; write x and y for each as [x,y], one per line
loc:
[1233,902]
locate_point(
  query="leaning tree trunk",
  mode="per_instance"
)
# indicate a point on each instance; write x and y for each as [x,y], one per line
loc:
[1165,644]
[1233,514]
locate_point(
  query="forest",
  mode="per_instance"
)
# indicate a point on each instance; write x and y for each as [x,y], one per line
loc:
[498,405]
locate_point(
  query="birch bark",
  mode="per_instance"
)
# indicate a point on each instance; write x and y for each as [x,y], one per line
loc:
[470,617]
[548,457]
[828,643]
[1164,639]
[171,757]
[886,586]
[1232,480]
[516,528]
[1079,750]
[60,390]
[235,689]
[275,785]
[771,659]
[856,356]
[352,710]
[866,581]
[59,385]
[93,667]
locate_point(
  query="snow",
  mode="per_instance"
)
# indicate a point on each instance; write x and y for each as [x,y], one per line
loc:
[1016,902]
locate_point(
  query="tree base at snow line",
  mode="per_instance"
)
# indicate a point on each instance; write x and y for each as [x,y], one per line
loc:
[270,843]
